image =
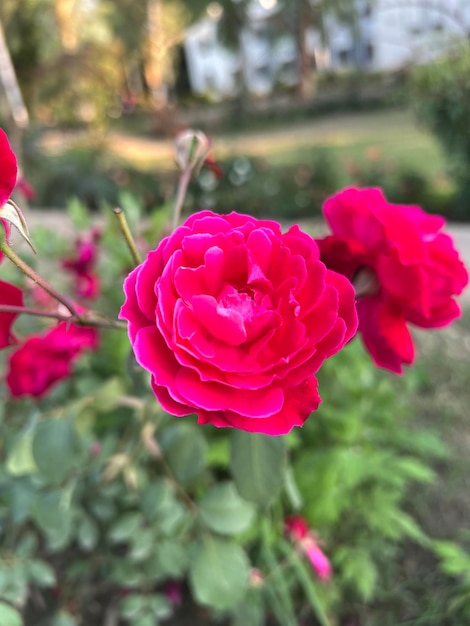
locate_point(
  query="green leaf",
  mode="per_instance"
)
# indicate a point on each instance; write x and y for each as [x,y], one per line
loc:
[53,515]
[304,576]
[78,213]
[218,573]
[9,616]
[133,605]
[172,558]
[87,534]
[185,450]
[21,460]
[250,613]
[258,465]
[142,545]
[63,619]
[160,606]
[126,527]
[41,573]
[108,395]
[55,448]
[224,511]
[292,490]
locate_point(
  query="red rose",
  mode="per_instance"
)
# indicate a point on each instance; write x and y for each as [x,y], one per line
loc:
[12,296]
[83,265]
[233,318]
[43,360]
[8,169]
[404,268]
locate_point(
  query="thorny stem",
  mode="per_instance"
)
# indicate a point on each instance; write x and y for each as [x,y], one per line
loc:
[26,269]
[126,232]
[90,318]
[180,195]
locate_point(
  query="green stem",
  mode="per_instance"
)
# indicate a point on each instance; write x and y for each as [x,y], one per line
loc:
[10,308]
[126,232]
[28,271]
[181,195]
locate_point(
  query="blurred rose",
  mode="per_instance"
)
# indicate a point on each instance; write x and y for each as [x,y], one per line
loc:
[43,360]
[83,266]
[11,296]
[405,269]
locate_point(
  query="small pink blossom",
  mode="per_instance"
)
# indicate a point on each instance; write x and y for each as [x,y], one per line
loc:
[296,528]
[256,578]
[24,187]
[82,266]
[173,592]
[318,559]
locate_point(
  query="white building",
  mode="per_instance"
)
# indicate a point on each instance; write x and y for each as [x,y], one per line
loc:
[262,61]
[387,35]
[390,34]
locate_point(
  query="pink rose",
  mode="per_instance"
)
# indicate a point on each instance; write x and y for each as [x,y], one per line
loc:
[233,318]
[43,360]
[11,296]
[8,169]
[404,268]
[83,265]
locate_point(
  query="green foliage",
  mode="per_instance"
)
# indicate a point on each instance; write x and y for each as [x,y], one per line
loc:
[104,498]
[440,96]
[258,464]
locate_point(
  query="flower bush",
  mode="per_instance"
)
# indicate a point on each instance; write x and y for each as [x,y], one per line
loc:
[113,510]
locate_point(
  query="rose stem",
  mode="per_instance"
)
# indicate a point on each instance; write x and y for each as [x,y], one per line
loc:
[90,318]
[26,269]
[126,232]
[183,183]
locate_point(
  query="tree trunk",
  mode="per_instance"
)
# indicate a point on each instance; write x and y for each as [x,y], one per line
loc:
[305,85]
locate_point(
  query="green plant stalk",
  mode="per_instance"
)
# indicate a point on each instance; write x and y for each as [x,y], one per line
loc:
[126,232]
[28,271]
[181,195]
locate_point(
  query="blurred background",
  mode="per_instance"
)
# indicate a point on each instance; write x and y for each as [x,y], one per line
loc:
[299,98]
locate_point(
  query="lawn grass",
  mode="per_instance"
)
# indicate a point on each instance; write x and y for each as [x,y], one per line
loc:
[416,592]
[351,137]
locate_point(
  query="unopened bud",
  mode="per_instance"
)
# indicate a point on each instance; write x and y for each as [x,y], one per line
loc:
[256,579]
[191,149]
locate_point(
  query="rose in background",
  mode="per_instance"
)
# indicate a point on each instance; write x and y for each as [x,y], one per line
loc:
[405,269]
[233,318]
[82,266]
[41,361]
[8,169]
[9,294]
